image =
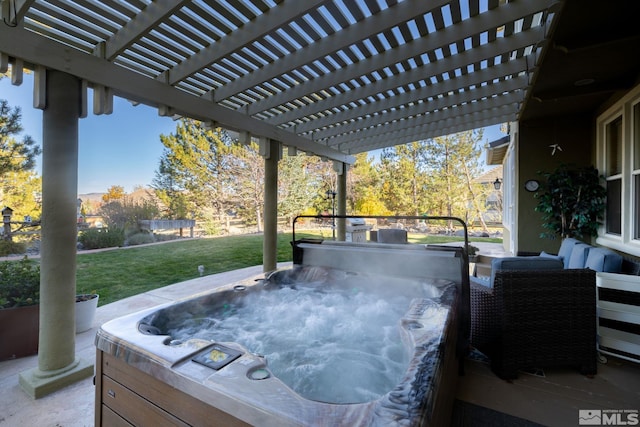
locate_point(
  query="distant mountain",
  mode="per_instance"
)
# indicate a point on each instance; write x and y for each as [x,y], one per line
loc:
[137,194]
[141,194]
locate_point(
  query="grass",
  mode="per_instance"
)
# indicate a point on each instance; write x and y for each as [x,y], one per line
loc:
[120,273]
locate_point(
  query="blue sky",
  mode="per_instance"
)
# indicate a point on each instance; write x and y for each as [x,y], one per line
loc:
[122,148]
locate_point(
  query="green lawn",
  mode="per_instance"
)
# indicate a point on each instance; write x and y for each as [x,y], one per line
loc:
[120,273]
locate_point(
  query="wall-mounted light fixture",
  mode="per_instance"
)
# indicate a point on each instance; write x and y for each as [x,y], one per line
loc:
[497,184]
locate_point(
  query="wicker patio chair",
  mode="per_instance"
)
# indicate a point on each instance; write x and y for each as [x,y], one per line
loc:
[536,319]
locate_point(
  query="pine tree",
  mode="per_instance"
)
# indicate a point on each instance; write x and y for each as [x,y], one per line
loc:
[20,187]
[195,170]
[14,155]
[247,166]
[404,172]
[453,161]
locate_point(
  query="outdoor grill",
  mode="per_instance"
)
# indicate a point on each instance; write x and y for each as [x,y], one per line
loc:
[356,230]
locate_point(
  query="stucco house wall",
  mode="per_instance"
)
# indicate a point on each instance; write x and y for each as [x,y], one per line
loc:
[538,152]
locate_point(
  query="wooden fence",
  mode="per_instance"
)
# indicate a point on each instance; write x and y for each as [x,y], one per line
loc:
[168,224]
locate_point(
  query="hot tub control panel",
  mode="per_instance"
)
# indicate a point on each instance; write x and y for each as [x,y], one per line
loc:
[217,356]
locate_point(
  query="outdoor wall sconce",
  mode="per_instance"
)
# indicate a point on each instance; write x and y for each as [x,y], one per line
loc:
[497,184]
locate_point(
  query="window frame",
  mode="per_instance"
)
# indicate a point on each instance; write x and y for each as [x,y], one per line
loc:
[616,176]
[628,240]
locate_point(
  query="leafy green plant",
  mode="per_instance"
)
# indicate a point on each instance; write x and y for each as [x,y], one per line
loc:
[19,283]
[140,238]
[8,247]
[86,297]
[125,212]
[96,238]
[210,222]
[572,202]
[159,237]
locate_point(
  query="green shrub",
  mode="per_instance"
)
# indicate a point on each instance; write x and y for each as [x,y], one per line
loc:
[140,239]
[19,283]
[96,238]
[212,227]
[164,237]
[209,222]
[126,213]
[8,247]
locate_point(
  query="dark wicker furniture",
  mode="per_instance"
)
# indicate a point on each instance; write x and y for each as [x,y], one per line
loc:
[536,319]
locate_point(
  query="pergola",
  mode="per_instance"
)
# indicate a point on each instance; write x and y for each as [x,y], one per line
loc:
[327,77]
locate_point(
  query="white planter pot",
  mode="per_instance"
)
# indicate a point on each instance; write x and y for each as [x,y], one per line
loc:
[86,313]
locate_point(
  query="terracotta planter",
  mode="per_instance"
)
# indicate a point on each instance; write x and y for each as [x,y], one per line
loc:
[86,305]
[19,331]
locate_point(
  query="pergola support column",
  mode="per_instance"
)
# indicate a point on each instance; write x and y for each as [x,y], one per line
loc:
[271,151]
[57,363]
[341,203]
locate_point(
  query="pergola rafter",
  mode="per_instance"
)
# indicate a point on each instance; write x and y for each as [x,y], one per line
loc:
[329,77]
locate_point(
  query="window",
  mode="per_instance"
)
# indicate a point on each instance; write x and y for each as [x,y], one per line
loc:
[614,201]
[618,160]
[613,171]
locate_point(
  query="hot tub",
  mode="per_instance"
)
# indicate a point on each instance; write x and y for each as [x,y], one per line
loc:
[154,370]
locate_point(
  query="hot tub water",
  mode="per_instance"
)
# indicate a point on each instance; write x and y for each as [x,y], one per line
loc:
[335,339]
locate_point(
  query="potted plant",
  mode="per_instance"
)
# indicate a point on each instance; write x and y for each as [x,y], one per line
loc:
[19,308]
[86,306]
[473,253]
[572,202]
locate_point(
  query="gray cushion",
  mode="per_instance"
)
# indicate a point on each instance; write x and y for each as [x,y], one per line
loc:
[532,263]
[565,249]
[543,254]
[579,255]
[603,259]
